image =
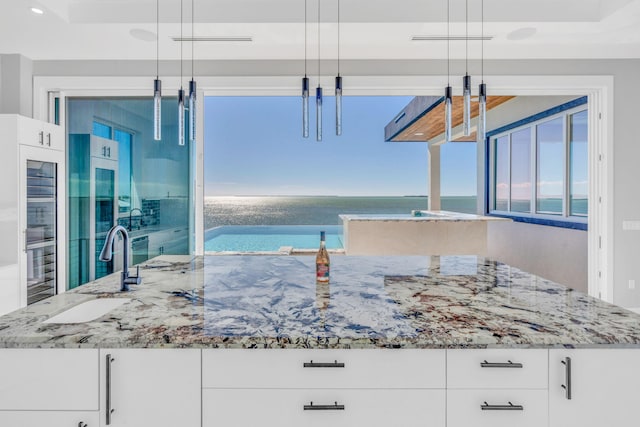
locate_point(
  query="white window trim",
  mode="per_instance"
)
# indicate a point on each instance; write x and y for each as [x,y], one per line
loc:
[598,88]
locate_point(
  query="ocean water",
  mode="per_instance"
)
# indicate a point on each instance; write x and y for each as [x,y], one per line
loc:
[311,210]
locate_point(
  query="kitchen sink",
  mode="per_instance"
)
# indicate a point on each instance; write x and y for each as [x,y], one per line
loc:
[87,311]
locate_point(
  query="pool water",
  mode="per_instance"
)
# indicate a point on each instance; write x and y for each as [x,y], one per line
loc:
[268,238]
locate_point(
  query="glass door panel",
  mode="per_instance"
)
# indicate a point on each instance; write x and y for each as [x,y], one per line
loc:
[105,217]
[41,230]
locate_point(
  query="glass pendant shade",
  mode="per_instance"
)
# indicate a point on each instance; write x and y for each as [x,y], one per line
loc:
[181,117]
[466,107]
[192,110]
[447,113]
[305,107]
[338,105]
[157,110]
[482,112]
[318,113]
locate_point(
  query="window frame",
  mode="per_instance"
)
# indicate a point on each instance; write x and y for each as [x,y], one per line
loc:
[565,219]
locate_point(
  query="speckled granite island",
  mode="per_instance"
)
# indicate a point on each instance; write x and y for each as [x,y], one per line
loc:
[274,302]
[403,341]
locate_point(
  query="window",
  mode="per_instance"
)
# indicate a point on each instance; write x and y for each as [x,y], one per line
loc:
[550,150]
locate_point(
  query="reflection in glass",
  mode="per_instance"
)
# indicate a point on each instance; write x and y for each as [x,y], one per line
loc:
[521,171]
[579,172]
[502,173]
[550,173]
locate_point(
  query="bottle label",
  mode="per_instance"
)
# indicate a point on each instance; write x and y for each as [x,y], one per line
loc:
[322,272]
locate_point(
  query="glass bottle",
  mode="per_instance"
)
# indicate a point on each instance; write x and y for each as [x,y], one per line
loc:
[322,261]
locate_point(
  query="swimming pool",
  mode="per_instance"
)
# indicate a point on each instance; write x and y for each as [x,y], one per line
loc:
[269,238]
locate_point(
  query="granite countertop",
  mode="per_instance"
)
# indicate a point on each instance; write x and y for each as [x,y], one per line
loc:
[371,302]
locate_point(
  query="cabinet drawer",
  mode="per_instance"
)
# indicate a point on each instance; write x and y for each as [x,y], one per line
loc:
[465,408]
[324,368]
[285,408]
[49,379]
[48,418]
[497,369]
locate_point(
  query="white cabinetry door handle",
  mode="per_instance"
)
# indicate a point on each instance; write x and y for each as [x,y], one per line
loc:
[109,409]
[313,364]
[83,424]
[567,377]
[48,140]
[509,407]
[508,364]
[41,137]
[334,407]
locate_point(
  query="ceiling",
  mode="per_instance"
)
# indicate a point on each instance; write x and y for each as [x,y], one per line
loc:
[369,29]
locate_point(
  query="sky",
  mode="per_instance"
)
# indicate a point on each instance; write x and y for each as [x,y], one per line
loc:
[254,146]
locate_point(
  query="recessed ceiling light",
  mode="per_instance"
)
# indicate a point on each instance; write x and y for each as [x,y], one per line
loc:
[37,11]
[419,134]
[522,33]
[144,35]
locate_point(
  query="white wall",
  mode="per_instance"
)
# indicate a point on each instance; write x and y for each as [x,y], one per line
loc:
[557,254]
[626,149]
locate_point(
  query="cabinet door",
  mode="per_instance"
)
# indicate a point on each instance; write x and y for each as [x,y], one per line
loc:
[48,379]
[40,134]
[48,419]
[604,387]
[150,387]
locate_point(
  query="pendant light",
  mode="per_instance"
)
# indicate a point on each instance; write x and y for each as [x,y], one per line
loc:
[338,85]
[192,87]
[181,91]
[319,89]
[305,83]
[447,91]
[482,98]
[466,80]
[157,84]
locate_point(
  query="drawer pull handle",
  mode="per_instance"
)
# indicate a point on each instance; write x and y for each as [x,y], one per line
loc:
[313,364]
[82,424]
[567,377]
[509,364]
[109,409]
[509,407]
[334,407]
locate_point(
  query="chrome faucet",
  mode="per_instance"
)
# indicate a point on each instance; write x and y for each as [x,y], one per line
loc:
[107,254]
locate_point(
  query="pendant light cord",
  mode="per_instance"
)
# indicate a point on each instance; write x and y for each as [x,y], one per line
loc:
[482,41]
[318,43]
[181,40]
[338,37]
[466,42]
[448,42]
[192,40]
[157,39]
[305,38]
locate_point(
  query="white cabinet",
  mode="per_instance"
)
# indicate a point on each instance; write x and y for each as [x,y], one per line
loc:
[49,387]
[39,134]
[150,387]
[48,419]
[603,386]
[32,220]
[323,407]
[497,387]
[243,388]
[497,408]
